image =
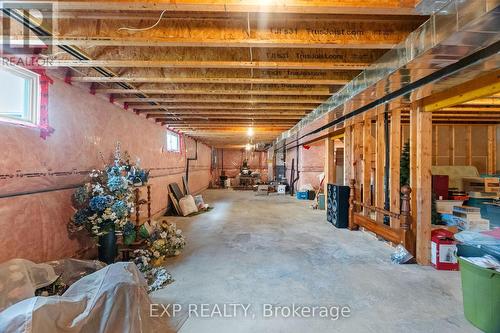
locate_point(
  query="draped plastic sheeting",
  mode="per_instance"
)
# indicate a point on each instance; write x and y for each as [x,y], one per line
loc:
[113,299]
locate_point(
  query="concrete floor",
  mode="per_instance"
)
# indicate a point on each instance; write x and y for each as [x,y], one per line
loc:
[276,250]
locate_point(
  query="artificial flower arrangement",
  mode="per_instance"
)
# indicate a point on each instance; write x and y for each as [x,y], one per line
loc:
[106,202]
[157,277]
[163,240]
[136,175]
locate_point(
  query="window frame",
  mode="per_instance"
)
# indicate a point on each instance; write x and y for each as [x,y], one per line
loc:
[33,94]
[178,148]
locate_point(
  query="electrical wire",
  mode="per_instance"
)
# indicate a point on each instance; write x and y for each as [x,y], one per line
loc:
[145,29]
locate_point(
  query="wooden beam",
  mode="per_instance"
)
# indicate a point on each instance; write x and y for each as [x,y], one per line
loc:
[423,188]
[278,129]
[492,160]
[369,7]
[348,155]
[395,168]
[242,123]
[413,163]
[231,31]
[215,113]
[298,65]
[246,100]
[380,162]
[329,167]
[483,86]
[215,62]
[451,145]
[322,92]
[484,101]
[468,145]
[143,107]
[225,80]
[367,161]
[316,92]
[357,164]
[461,108]
[188,118]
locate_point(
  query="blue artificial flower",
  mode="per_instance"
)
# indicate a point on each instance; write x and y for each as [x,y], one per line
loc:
[80,197]
[101,202]
[128,229]
[114,171]
[81,216]
[120,208]
[117,183]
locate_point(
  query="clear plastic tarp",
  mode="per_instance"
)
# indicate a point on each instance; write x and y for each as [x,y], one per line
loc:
[112,299]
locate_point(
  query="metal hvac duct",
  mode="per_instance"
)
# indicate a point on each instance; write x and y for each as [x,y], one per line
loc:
[454,31]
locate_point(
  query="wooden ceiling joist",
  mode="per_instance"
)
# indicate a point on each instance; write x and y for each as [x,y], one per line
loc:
[260,108]
[232,31]
[302,65]
[209,80]
[179,101]
[317,92]
[235,117]
[248,114]
[207,59]
[370,7]
[211,68]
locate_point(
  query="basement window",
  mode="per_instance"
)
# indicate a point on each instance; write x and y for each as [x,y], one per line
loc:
[19,95]
[173,142]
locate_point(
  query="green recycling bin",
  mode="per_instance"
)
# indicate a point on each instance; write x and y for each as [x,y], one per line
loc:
[481,294]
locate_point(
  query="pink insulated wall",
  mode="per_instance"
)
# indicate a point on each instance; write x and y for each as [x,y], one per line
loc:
[33,226]
[233,160]
[311,163]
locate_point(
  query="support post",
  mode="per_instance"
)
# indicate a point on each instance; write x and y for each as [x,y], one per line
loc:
[330,166]
[380,161]
[405,220]
[413,160]
[492,150]
[395,158]
[352,197]
[357,141]
[468,145]
[347,155]
[451,145]
[423,182]
[367,162]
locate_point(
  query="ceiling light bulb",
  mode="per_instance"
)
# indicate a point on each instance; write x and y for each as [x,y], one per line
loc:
[250,131]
